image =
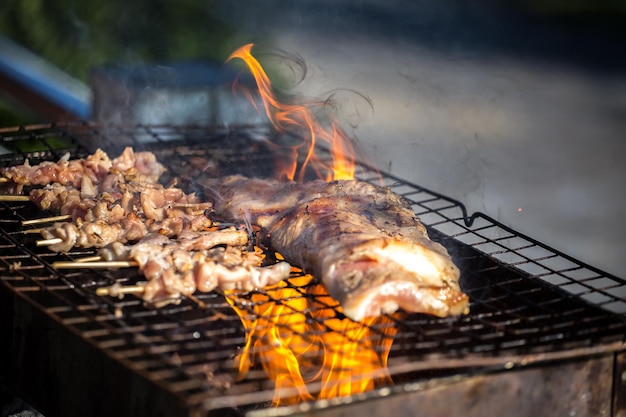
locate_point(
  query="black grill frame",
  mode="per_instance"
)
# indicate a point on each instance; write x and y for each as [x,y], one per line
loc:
[530,304]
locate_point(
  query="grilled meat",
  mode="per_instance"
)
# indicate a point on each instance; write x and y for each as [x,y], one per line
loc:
[363,241]
[126,217]
[175,268]
[139,166]
[150,200]
[126,212]
[111,202]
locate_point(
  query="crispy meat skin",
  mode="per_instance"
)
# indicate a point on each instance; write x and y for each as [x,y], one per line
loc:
[363,241]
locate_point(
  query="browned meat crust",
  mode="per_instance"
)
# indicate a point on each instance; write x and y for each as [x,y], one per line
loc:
[363,241]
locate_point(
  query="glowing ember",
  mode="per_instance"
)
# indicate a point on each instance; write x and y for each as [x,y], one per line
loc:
[301,118]
[306,348]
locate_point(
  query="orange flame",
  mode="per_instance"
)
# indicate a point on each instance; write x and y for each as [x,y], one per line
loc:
[306,349]
[295,330]
[287,117]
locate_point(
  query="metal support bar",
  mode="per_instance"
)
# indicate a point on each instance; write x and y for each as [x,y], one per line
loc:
[619,385]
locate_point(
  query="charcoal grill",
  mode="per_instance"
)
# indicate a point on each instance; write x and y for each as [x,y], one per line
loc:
[546,333]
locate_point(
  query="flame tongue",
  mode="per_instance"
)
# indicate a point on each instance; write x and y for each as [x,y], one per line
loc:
[355,356]
[295,330]
[313,355]
[274,338]
[301,118]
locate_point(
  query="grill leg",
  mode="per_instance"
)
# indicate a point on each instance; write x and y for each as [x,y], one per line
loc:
[619,386]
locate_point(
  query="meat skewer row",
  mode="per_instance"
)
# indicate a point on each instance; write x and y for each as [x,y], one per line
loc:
[175,268]
[150,204]
[107,221]
[115,187]
[120,197]
[102,218]
[62,237]
[138,166]
[118,201]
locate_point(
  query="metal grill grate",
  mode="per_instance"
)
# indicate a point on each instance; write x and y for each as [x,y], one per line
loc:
[529,303]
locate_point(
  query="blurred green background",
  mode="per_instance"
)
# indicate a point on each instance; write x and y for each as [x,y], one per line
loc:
[78,35]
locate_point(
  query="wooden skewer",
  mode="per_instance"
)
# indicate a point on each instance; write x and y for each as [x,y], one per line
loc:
[97,264]
[50,219]
[32,231]
[49,242]
[5,197]
[4,179]
[94,258]
[196,300]
[117,290]
[202,206]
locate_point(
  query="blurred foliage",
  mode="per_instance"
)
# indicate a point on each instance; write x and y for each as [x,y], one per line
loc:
[77,35]
[31,145]
[13,114]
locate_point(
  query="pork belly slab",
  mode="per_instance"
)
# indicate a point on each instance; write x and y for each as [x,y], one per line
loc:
[363,241]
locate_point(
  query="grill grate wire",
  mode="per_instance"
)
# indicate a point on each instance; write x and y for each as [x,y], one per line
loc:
[529,302]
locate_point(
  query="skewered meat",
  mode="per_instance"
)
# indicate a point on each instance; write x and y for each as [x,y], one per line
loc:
[118,227]
[119,201]
[83,235]
[140,167]
[172,269]
[65,171]
[153,202]
[100,221]
[363,241]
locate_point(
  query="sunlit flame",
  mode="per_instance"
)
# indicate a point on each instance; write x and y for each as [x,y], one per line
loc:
[306,348]
[301,117]
[295,331]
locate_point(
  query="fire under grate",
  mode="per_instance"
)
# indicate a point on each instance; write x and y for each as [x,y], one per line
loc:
[530,304]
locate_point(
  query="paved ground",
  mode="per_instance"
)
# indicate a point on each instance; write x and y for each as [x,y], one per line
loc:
[517,118]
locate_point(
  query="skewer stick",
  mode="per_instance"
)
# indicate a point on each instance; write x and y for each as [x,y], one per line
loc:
[4,179]
[199,206]
[50,219]
[196,300]
[5,197]
[97,264]
[32,231]
[94,258]
[117,290]
[49,242]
